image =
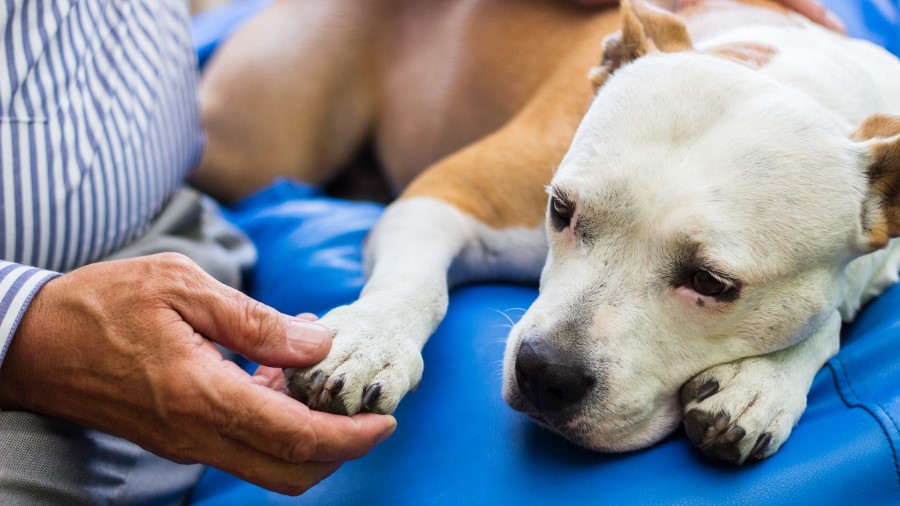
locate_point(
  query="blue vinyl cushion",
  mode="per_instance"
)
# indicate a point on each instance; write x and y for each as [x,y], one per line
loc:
[458,443]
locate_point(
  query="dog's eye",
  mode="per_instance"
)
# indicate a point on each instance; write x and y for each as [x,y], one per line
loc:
[706,283]
[560,213]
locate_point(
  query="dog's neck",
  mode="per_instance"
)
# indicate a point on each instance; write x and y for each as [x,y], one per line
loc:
[709,18]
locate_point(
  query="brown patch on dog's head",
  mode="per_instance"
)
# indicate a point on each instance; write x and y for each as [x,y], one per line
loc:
[881,216]
[754,56]
[644,29]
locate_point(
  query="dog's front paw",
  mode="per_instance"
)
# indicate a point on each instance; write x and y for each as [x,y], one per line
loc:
[371,366]
[742,410]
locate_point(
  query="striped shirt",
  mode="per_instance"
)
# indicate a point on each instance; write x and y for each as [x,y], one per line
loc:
[99,125]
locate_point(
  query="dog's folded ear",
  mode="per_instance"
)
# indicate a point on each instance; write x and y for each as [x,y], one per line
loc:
[880,134]
[645,29]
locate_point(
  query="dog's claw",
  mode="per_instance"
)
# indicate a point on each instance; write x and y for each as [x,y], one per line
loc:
[335,384]
[721,420]
[316,382]
[707,389]
[735,434]
[370,396]
[762,444]
[299,390]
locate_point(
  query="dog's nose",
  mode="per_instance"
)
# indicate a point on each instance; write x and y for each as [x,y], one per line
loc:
[549,380]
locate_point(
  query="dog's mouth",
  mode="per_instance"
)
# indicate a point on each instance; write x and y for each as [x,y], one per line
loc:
[595,431]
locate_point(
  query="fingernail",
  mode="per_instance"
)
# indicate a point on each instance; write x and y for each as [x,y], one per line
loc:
[306,337]
[307,316]
[392,426]
[834,22]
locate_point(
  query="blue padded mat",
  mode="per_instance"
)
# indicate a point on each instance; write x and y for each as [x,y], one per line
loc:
[458,443]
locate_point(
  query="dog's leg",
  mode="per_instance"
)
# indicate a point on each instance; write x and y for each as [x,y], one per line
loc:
[746,409]
[376,356]
[289,95]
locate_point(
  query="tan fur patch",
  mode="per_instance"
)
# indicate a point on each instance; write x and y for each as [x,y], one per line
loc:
[500,179]
[645,29]
[666,31]
[882,134]
[752,55]
[878,125]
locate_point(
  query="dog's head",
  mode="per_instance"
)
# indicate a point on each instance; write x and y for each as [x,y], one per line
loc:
[704,213]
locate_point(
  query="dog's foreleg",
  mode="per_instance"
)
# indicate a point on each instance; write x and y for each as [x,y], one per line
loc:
[476,215]
[746,409]
[376,356]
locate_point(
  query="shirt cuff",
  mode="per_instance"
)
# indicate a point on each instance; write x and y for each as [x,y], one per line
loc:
[18,284]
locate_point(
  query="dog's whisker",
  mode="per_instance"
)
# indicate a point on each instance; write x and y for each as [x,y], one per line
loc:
[503,314]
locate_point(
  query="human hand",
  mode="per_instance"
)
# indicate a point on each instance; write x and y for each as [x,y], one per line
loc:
[122,347]
[813,9]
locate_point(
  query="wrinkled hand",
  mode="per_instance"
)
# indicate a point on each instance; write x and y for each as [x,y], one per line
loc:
[124,347]
[813,9]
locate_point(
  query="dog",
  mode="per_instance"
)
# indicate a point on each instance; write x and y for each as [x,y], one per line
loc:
[727,192]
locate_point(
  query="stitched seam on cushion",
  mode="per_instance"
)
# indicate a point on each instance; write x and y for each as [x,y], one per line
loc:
[859,397]
[865,406]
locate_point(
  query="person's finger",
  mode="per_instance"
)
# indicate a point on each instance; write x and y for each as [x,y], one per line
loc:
[814,10]
[271,377]
[247,463]
[283,427]
[241,324]
[332,431]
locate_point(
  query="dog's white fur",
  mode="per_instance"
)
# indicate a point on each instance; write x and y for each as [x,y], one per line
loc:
[753,168]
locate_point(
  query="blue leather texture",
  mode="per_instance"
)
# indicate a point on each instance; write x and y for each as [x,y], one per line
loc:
[458,443]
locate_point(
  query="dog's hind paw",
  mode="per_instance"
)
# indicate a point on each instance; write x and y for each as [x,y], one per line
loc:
[371,366]
[744,410]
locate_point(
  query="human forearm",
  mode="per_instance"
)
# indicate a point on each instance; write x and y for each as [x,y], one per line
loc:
[125,347]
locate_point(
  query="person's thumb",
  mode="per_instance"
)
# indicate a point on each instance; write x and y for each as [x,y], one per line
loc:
[256,331]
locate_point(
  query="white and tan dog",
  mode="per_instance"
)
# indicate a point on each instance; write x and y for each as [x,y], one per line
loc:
[727,201]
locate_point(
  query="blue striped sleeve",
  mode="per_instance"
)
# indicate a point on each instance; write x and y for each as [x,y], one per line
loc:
[18,284]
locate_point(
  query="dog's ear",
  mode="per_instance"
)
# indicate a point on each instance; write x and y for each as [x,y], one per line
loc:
[644,29]
[880,134]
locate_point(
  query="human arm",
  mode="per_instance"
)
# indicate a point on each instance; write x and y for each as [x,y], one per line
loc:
[124,347]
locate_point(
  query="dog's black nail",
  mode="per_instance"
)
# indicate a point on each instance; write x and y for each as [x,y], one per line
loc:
[759,450]
[298,389]
[735,434]
[707,389]
[370,396]
[721,420]
[316,382]
[335,384]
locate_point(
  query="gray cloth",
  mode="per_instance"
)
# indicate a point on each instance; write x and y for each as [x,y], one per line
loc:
[44,460]
[192,224]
